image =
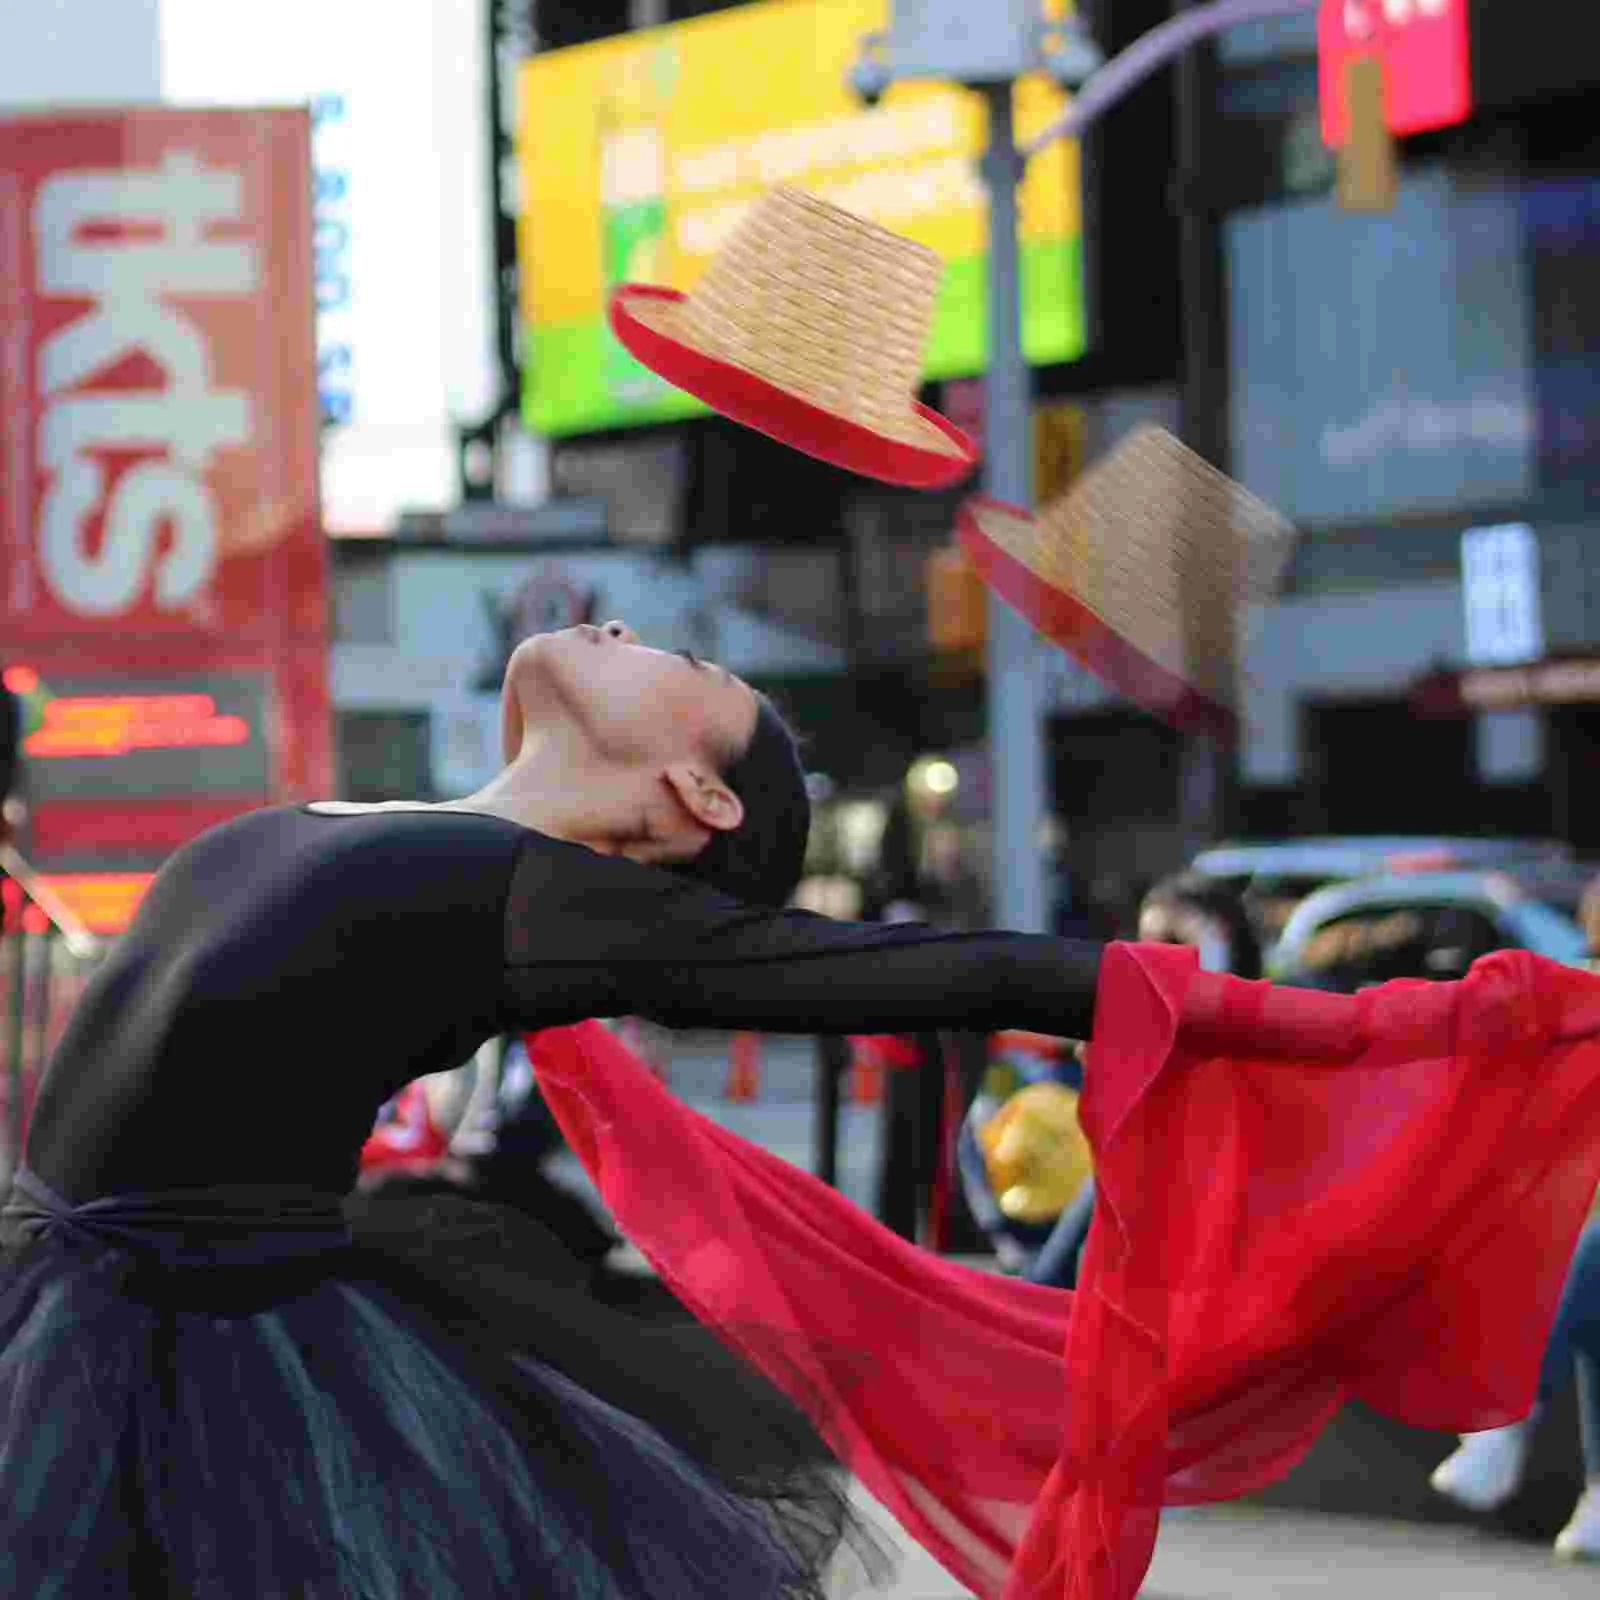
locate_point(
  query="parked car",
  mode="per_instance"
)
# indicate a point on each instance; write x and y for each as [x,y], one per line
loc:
[1427,925]
[1273,876]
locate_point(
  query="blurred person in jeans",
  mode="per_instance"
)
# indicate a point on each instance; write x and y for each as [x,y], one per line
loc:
[1487,1469]
[1183,909]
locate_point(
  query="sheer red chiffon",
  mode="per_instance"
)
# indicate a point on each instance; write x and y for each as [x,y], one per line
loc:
[1302,1198]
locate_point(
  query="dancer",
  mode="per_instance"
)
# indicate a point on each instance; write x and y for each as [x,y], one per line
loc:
[213,1381]
[376,1368]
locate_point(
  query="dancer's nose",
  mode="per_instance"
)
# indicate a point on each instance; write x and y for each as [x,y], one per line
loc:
[620,631]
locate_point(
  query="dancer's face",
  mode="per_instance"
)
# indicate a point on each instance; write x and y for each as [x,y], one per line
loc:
[632,705]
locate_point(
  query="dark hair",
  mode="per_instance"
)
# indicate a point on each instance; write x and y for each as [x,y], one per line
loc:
[1193,891]
[761,860]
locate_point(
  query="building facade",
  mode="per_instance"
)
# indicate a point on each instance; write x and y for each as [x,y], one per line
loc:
[1395,381]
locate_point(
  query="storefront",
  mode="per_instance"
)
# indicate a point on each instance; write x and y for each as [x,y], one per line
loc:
[1397,379]
[1555,702]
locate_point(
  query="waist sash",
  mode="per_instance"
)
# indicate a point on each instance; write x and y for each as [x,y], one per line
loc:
[242,1225]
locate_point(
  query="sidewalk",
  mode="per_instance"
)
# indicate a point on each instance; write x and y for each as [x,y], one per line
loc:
[1236,1552]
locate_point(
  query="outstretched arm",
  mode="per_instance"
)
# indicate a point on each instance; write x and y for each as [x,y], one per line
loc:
[589,935]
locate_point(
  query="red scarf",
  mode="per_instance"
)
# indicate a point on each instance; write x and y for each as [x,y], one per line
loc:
[1303,1198]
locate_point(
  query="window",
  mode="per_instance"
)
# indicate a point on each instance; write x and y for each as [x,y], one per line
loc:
[363,602]
[1378,943]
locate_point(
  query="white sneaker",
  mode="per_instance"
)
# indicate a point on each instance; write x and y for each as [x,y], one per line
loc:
[1487,1470]
[1580,1539]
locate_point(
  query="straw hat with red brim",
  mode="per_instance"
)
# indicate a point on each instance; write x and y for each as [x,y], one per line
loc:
[810,325]
[1144,571]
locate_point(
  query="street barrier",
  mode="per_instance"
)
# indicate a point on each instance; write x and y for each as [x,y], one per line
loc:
[744,1069]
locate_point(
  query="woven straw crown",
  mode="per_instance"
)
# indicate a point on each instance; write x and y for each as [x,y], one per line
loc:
[1166,551]
[821,303]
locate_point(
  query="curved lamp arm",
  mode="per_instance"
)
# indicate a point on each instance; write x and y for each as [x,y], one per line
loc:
[1152,51]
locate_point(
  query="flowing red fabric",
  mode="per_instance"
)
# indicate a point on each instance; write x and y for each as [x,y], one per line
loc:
[1302,1198]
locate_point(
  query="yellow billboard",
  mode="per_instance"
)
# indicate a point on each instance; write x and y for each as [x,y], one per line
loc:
[638,155]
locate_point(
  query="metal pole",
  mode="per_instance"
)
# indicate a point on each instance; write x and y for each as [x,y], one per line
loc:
[1015,690]
[832,1064]
[1208,782]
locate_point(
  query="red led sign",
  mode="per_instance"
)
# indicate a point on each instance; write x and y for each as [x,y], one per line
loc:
[116,725]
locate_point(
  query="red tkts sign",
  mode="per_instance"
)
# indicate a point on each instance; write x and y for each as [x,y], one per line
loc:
[1426,50]
[160,533]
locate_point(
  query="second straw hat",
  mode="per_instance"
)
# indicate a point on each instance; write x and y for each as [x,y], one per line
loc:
[1145,571]
[810,325]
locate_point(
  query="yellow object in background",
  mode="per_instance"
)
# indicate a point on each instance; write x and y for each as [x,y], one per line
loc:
[1035,1152]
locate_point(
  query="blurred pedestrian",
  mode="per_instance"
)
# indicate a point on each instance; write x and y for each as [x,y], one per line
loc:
[1194,910]
[498,1149]
[1022,1155]
[1488,1467]
[1184,909]
[216,1380]
[405,1141]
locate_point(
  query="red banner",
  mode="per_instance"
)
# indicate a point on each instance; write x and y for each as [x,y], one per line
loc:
[161,549]
[1426,50]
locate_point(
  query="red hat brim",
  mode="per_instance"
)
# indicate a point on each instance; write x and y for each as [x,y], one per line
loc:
[1088,637]
[738,393]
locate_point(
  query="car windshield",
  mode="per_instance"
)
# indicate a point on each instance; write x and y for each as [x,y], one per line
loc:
[1270,901]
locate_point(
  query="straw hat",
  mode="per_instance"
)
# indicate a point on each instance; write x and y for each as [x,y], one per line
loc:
[809,325]
[1143,570]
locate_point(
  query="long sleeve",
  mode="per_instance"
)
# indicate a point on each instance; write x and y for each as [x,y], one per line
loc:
[589,935]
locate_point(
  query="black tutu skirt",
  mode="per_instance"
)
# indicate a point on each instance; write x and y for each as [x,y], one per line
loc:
[249,1394]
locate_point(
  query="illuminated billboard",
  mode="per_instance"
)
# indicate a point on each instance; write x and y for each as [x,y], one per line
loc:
[639,154]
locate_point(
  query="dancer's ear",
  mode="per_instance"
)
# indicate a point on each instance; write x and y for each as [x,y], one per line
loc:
[706,798]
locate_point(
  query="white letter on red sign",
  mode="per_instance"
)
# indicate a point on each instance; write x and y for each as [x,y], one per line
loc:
[132,282]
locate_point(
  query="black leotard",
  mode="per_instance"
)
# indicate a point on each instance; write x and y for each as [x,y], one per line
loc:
[290,970]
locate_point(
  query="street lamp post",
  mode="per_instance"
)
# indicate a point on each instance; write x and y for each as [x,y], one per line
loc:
[1016,702]
[988,46]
